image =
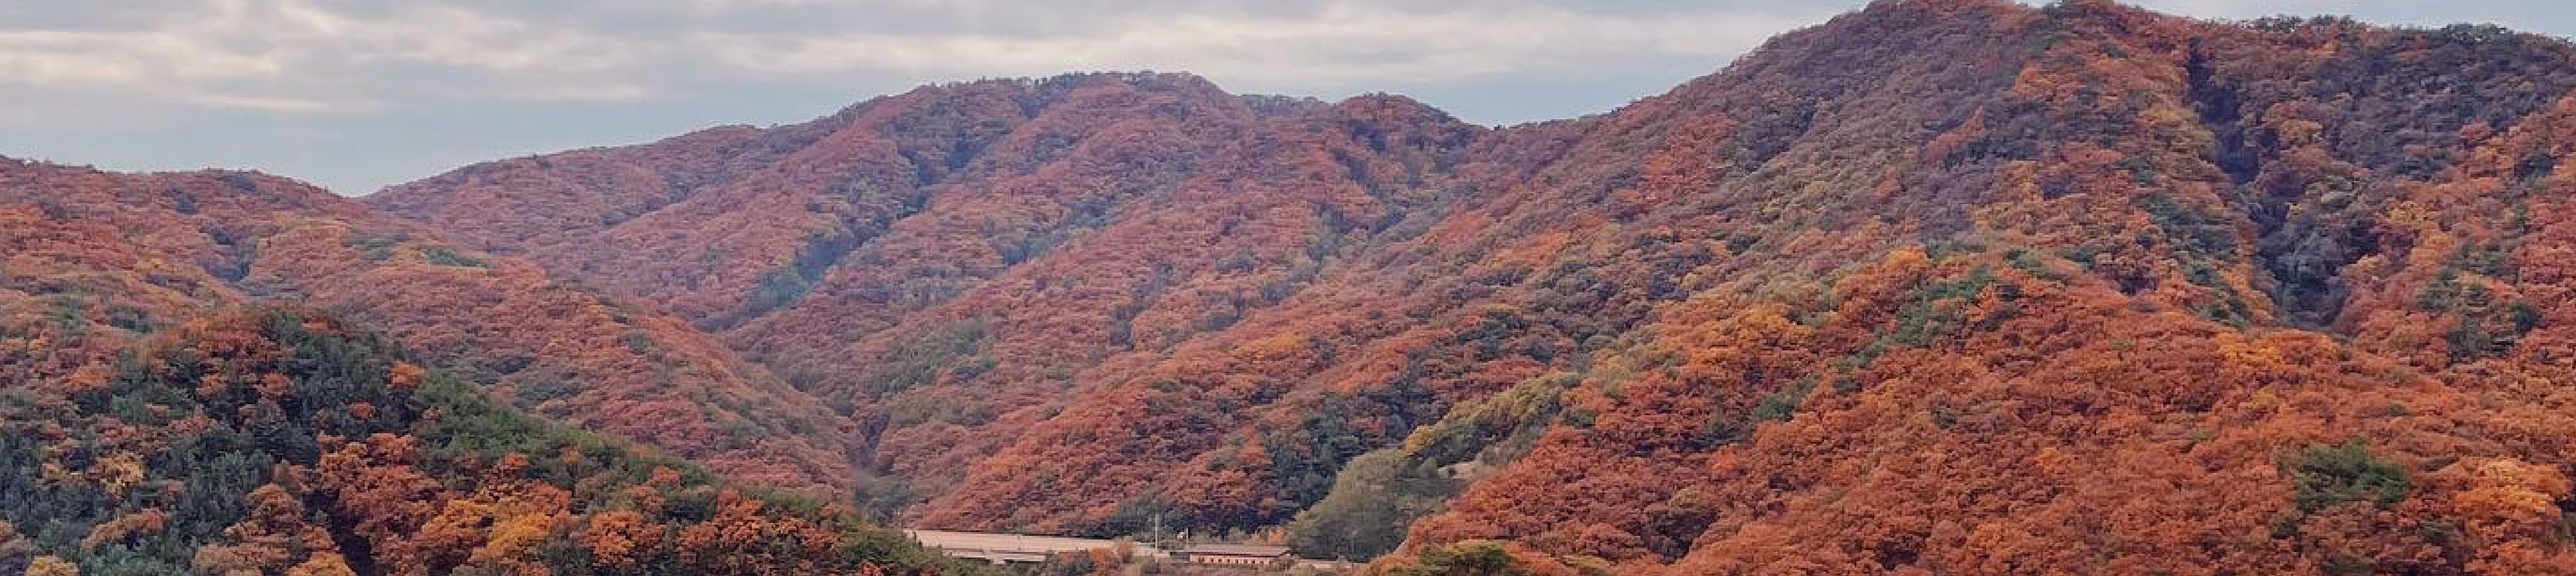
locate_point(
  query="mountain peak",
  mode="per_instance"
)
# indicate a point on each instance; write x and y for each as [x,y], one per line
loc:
[1390,106]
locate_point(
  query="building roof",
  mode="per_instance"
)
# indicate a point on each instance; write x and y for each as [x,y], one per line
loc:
[1237,550]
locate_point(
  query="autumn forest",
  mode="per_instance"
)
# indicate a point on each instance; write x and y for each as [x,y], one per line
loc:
[1936,287]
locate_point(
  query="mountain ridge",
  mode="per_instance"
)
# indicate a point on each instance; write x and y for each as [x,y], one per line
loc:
[1889,194]
[1937,286]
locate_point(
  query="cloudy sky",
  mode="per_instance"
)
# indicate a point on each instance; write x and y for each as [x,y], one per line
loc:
[358,94]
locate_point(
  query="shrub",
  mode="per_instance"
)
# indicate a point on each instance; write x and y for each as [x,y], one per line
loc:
[1469,558]
[2330,474]
[444,256]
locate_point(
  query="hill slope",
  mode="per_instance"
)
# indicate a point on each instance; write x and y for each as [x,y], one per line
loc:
[2165,296]
[1941,286]
[144,252]
[897,289]
[283,441]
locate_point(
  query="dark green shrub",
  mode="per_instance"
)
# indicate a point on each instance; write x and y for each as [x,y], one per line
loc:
[2330,474]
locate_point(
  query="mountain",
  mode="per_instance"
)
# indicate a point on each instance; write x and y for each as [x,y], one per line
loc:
[2023,290]
[1938,286]
[146,252]
[886,257]
[1935,287]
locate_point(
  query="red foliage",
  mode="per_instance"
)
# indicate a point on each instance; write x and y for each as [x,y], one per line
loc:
[139,252]
[1941,286]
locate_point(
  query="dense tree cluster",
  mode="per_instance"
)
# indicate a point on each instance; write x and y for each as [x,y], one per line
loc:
[885,264]
[140,252]
[2217,305]
[279,441]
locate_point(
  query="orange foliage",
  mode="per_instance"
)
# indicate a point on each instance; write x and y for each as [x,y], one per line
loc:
[134,253]
[1937,287]
[1957,286]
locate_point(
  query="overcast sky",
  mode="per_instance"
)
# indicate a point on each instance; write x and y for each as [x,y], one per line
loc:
[359,94]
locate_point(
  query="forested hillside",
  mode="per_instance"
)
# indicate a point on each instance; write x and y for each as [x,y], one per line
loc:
[1949,286]
[283,441]
[144,252]
[952,266]
[1936,287]
[2154,295]
[1944,284]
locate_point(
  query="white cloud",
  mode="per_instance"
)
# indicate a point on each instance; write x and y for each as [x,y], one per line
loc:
[300,56]
[271,103]
[119,58]
[1345,42]
[313,56]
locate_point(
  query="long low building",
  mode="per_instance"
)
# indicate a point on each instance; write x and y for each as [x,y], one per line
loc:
[1005,548]
[1000,548]
[1232,554]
